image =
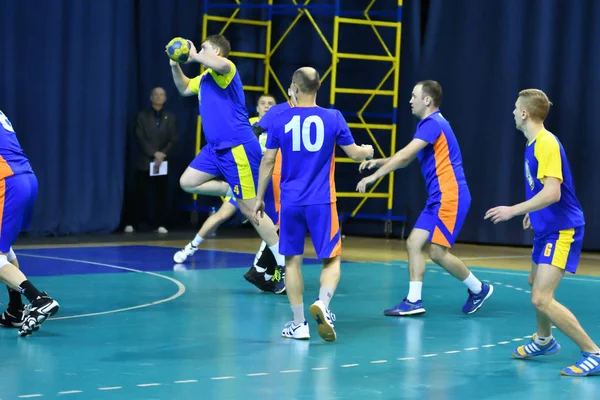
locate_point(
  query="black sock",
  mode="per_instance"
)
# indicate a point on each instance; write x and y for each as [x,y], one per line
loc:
[14,302]
[267,261]
[29,291]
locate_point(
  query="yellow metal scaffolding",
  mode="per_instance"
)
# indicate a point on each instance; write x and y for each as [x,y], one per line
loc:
[389,54]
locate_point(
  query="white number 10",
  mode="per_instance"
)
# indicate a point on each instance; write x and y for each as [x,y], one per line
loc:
[297,139]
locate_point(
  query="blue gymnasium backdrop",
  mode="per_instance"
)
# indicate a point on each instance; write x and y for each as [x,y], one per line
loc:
[75,73]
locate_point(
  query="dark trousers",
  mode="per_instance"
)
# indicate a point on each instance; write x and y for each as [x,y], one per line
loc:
[145,188]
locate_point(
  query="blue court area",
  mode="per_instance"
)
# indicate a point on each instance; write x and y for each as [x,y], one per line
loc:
[133,326]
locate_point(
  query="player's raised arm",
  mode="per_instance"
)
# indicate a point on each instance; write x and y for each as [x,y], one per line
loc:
[211,57]
[182,82]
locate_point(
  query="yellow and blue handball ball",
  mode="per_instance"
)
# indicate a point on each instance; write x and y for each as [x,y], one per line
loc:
[178,50]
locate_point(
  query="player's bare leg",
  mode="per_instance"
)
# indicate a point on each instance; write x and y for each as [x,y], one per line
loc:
[544,325]
[412,304]
[212,223]
[478,291]
[545,283]
[198,182]
[298,328]
[330,277]
[41,306]
[13,316]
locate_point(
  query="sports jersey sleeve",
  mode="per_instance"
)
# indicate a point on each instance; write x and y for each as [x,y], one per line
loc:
[194,84]
[224,80]
[344,136]
[272,137]
[547,153]
[429,131]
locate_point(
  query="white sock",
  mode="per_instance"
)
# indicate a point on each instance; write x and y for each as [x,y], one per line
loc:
[325,295]
[197,240]
[542,341]
[473,283]
[229,192]
[278,257]
[298,313]
[414,291]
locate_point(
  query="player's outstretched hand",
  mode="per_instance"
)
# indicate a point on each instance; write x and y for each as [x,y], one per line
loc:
[526,222]
[364,184]
[370,149]
[259,211]
[370,164]
[499,214]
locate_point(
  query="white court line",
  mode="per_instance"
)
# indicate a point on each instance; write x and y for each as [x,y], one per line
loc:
[180,286]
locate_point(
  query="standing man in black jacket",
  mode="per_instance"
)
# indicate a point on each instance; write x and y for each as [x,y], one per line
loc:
[156,134]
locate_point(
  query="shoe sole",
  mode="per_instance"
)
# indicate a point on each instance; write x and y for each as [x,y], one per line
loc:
[294,337]
[326,331]
[406,313]
[52,309]
[482,301]
[520,357]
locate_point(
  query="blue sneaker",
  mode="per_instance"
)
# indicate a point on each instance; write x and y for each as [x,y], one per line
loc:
[475,301]
[589,364]
[533,349]
[405,308]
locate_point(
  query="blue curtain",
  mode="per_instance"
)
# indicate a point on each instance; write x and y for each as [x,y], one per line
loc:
[64,86]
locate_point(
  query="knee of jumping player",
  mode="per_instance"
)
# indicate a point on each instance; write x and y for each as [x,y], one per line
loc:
[186,183]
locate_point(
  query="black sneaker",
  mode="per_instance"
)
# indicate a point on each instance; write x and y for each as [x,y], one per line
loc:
[37,312]
[12,318]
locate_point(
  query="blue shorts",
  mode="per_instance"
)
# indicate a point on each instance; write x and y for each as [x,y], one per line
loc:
[444,219]
[561,249]
[17,198]
[271,208]
[238,166]
[321,220]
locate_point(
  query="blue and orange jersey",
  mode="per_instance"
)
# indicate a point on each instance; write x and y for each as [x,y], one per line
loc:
[306,138]
[222,107]
[545,157]
[13,160]
[441,160]
[264,123]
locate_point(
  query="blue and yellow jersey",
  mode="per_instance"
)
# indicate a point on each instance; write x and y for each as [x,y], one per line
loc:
[13,160]
[221,104]
[545,157]
[441,160]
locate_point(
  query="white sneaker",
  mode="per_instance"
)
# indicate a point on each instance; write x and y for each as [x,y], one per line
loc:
[129,229]
[184,253]
[325,319]
[296,331]
[162,229]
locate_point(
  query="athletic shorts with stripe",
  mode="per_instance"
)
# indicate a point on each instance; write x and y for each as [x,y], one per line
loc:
[320,220]
[561,249]
[444,219]
[238,166]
